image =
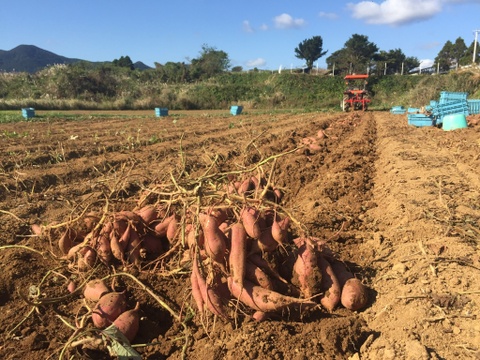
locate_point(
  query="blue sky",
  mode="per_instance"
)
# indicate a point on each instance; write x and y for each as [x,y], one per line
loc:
[260,33]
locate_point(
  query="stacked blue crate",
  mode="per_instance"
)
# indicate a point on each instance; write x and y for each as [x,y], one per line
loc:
[473,106]
[448,96]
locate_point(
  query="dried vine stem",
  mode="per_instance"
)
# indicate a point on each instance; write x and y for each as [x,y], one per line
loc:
[148,290]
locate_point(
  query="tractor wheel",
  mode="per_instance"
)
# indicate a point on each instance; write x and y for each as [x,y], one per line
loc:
[345,104]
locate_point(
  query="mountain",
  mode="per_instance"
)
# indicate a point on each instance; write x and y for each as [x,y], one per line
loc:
[29,58]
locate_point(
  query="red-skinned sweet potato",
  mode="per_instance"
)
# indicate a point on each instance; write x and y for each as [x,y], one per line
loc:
[108,308]
[354,294]
[265,300]
[257,276]
[214,238]
[95,289]
[209,294]
[330,285]
[307,275]
[252,222]
[238,253]
[128,322]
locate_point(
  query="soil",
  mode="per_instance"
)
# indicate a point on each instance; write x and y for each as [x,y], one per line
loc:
[400,205]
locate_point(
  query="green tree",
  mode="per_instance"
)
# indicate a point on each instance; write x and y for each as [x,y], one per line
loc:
[210,63]
[357,55]
[452,54]
[310,50]
[394,60]
[467,57]
[124,61]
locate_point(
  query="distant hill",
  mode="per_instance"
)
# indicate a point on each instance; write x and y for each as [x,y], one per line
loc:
[30,58]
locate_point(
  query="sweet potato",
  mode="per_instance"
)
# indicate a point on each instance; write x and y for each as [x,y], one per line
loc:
[71,286]
[330,285]
[279,283]
[108,308]
[209,294]
[153,245]
[196,293]
[134,248]
[119,244]
[128,322]
[172,230]
[280,228]
[86,258]
[162,226]
[215,240]
[95,289]
[91,220]
[238,253]
[68,238]
[195,238]
[102,244]
[307,275]
[354,295]
[252,222]
[148,213]
[265,300]
[341,272]
[257,276]
[37,229]
[220,215]
[246,187]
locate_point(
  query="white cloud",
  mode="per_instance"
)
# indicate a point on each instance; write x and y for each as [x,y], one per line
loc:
[396,12]
[286,21]
[247,27]
[256,62]
[264,27]
[331,16]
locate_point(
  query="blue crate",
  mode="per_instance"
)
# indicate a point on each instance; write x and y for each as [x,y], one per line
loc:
[413,110]
[236,110]
[451,107]
[161,112]
[398,110]
[28,113]
[446,96]
[420,120]
[473,106]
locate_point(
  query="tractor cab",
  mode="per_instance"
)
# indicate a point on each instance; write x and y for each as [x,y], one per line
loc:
[355,95]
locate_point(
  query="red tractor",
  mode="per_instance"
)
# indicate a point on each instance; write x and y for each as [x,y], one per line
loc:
[355,96]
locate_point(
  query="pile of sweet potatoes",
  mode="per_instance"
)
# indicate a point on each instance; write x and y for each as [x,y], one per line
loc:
[242,248]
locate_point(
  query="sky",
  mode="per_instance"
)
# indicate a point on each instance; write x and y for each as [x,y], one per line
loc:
[254,33]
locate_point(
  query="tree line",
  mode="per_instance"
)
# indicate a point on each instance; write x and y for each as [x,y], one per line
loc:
[359,55]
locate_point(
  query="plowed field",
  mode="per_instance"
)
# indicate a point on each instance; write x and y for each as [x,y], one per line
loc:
[400,205]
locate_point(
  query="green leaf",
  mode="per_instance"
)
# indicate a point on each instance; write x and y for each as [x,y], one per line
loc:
[118,344]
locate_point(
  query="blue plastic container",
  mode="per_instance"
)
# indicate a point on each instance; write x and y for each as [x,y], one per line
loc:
[28,113]
[161,112]
[451,107]
[454,121]
[446,96]
[236,110]
[473,106]
[398,110]
[420,120]
[413,110]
